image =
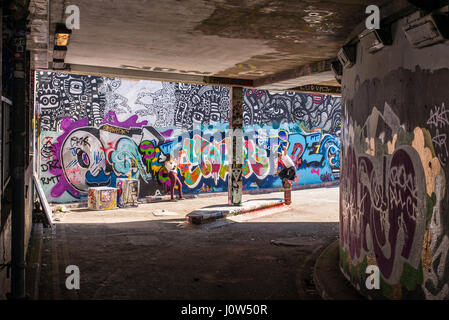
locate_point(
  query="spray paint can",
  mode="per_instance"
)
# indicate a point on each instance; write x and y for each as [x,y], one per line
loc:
[287,192]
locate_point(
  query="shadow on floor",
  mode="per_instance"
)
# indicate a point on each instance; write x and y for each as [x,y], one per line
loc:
[157,259]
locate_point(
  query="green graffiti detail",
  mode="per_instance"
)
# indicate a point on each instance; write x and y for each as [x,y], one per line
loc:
[411,277]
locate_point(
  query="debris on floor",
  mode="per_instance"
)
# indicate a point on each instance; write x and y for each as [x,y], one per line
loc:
[287,243]
[297,241]
[62,209]
[163,212]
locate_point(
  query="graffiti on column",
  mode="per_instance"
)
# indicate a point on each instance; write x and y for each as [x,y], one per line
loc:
[390,192]
[391,212]
[236,182]
[439,122]
[436,242]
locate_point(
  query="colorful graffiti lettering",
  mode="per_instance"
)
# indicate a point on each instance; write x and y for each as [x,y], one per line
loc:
[392,213]
[200,158]
[98,156]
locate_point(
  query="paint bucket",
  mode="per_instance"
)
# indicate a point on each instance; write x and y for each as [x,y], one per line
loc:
[288,193]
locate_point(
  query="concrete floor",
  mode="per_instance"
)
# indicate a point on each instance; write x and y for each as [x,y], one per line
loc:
[148,253]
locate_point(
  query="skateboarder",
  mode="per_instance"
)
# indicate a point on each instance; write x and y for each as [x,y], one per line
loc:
[288,172]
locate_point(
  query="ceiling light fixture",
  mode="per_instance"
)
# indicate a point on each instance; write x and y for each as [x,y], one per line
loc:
[376,39]
[428,30]
[347,55]
[337,68]
[62,35]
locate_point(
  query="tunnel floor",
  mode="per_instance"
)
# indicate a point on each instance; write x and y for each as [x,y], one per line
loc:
[150,252]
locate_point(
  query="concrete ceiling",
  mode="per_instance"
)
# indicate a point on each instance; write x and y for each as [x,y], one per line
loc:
[264,43]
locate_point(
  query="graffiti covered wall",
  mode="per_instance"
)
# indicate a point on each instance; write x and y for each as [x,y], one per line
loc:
[394,179]
[94,130]
[309,125]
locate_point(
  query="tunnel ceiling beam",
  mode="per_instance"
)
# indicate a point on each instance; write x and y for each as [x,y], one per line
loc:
[152,75]
[310,73]
[318,88]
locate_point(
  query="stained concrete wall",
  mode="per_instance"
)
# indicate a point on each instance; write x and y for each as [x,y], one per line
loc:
[394,181]
[5,216]
[5,257]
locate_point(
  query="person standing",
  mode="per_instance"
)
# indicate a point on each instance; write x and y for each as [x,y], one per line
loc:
[172,168]
[289,169]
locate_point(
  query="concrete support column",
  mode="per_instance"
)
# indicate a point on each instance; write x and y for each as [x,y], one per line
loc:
[394,183]
[18,154]
[235,185]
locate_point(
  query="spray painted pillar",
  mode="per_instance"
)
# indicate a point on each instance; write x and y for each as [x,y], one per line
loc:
[394,199]
[235,185]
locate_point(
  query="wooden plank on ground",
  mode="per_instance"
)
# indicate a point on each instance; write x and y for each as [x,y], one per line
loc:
[43,199]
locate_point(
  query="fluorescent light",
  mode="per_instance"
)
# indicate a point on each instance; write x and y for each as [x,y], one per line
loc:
[375,39]
[347,56]
[62,39]
[428,30]
[337,68]
[62,35]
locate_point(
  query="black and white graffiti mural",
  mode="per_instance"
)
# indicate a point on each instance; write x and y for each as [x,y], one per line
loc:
[182,105]
[114,101]
[314,110]
[74,96]
[201,105]
[162,104]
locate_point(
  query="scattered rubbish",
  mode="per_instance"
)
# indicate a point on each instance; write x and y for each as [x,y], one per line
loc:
[183,225]
[163,212]
[62,209]
[285,243]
